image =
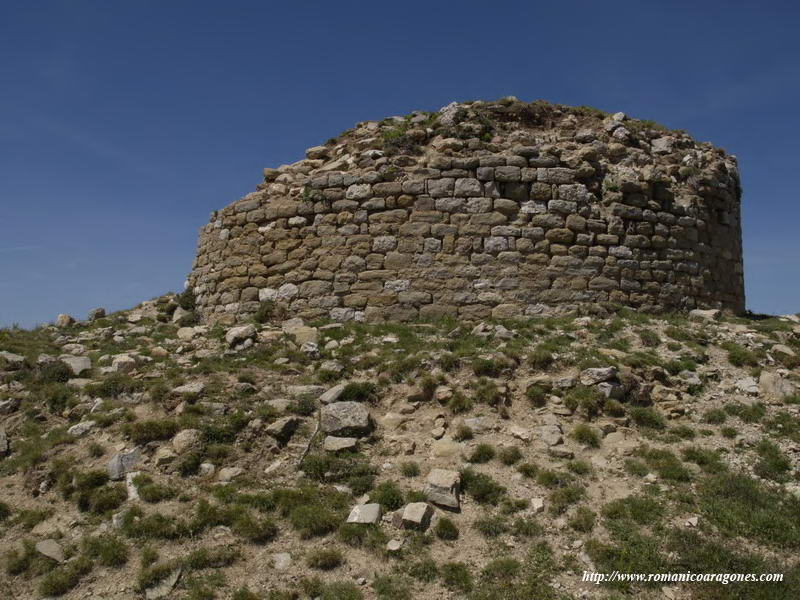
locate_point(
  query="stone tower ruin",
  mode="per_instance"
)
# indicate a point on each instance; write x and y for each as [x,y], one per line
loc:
[484,209]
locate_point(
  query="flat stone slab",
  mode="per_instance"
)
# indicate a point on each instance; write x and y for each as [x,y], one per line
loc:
[598,375]
[550,434]
[338,444]
[282,429]
[417,515]
[346,419]
[367,514]
[122,463]
[51,549]
[77,364]
[442,488]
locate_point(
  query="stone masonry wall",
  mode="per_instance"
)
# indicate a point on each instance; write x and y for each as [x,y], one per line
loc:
[483,209]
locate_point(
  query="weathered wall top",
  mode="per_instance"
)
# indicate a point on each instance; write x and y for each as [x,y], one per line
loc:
[482,209]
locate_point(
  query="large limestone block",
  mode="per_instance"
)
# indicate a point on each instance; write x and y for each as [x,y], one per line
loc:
[345,419]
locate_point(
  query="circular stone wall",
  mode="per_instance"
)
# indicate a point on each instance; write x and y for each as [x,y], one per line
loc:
[483,209]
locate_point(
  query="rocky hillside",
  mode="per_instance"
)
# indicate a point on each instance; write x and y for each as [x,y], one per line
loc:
[144,455]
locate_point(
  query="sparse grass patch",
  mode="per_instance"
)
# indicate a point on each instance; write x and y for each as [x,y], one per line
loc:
[741,506]
[642,510]
[583,520]
[706,458]
[665,463]
[391,587]
[739,356]
[491,525]
[563,497]
[456,577]
[772,464]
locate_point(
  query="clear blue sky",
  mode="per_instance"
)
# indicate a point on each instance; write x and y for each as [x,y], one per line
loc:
[123,124]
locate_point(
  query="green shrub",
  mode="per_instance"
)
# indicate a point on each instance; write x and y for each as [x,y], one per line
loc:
[491,525]
[552,479]
[482,453]
[649,338]
[482,488]
[584,397]
[528,470]
[486,392]
[666,464]
[684,432]
[257,531]
[579,467]
[409,469]
[54,372]
[114,385]
[186,299]
[108,550]
[510,455]
[706,459]
[739,356]
[541,358]
[636,467]
[144,432]
[263,314]
[445,529]
[715,416]
[107,498]
[459,403]
[561,498]
[152,492]
[536,396]
[324,559]
[313,520]
[388,495]
[304,406]
[586,435]
[359,391]
[646,416]
[424,570]
[66,577]
[463,433]
[5,511]
[487,367]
